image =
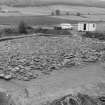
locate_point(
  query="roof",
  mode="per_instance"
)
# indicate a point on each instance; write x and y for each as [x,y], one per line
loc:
[86,23]
[65,24]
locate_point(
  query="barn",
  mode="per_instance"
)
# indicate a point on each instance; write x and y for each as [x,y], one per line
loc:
[86,26]
[63,26]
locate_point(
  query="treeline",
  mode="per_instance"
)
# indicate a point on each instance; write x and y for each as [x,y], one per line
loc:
[23,29]
[58,12]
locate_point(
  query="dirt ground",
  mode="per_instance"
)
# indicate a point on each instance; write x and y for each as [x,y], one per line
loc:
[87,79]
[58,84]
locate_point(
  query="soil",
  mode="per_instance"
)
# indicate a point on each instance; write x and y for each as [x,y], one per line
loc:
[58,84]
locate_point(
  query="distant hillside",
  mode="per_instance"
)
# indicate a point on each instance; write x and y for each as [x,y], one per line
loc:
[37,2]
[97,3]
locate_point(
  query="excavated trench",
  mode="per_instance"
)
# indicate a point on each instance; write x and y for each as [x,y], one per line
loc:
[79,99]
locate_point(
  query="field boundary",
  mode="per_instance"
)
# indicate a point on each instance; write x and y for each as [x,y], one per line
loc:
[22,36]
[16,37]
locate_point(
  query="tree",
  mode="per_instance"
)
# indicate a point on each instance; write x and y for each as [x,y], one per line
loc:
[67,13]
[52,13]
[78,14]
[22,27]
[57,12]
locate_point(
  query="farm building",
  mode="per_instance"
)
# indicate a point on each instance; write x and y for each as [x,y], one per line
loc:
[86,26]
[63,26]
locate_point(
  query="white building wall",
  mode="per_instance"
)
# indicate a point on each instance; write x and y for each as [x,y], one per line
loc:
[89,26]
[80,27]
[66,26]
[92,27]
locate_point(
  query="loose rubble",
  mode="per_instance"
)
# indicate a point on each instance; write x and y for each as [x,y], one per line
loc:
[67,53]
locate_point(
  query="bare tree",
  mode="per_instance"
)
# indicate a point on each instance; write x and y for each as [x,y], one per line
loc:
[78,14]
[67,13]
[57,12]
[52,13]
[22,27]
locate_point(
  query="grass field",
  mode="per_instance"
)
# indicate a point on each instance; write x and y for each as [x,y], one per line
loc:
[33,20]
[41,15]
[41,20]
[46,10]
